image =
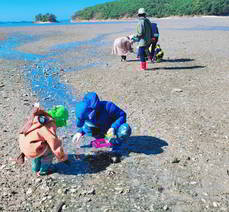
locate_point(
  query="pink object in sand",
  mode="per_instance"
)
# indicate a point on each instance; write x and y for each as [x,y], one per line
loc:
[99,143]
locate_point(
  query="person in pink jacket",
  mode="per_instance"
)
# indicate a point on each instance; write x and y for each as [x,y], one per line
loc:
[38,139]
[122,46]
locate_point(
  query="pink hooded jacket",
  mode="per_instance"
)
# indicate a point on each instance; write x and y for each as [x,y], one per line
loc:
[35,138]
[122,46]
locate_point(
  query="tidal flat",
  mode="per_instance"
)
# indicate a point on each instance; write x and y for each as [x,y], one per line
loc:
[177,157]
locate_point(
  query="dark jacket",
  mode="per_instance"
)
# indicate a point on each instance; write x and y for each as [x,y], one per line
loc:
[155,31]
[144,31]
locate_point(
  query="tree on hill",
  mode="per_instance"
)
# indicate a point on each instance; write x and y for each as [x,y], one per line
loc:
[155,8]
[45,18]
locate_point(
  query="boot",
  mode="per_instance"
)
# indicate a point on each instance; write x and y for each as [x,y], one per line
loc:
[143,65]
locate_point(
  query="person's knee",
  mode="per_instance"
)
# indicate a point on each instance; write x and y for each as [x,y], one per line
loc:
[124,131]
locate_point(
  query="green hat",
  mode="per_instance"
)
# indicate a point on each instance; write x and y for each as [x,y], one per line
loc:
[60,114]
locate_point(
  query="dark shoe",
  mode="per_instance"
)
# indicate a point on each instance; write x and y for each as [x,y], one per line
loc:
[123,58]
[50,170]
[116,158]
[154,59]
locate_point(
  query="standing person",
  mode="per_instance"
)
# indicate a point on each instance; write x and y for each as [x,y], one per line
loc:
[38,139]
[97,118]
[144,36]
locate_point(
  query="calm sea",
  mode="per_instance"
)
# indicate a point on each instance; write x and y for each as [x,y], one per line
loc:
[29,24]
[202,27]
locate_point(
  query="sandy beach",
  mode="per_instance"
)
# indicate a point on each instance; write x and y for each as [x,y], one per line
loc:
[177,158]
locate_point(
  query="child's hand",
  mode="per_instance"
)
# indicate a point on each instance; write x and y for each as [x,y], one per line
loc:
[37,104]
[76,137]
[135,39]
[111,132]
[65,158]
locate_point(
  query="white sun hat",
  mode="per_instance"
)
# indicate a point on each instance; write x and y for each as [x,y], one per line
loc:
[141,11]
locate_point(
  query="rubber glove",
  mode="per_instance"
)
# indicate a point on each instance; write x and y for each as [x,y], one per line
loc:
[37,104]
[111,132]
[76,137]
[135,39]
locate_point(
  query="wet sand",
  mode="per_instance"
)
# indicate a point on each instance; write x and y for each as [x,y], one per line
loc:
[177,157]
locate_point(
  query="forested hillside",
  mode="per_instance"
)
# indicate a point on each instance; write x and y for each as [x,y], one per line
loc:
[155,8]
[45,18]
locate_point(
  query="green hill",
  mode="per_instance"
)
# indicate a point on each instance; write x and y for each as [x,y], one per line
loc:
[155,8]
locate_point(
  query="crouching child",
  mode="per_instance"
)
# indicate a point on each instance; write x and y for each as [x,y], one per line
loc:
[122,46]
[38,139]
[100,118]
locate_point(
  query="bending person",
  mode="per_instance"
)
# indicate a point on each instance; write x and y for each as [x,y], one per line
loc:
[97,118]
[122,46]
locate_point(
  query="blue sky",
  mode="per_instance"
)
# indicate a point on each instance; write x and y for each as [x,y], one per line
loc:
[26,10]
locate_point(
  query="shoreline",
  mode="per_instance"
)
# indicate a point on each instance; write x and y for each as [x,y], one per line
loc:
[103,20]
[46,22]
[135,19]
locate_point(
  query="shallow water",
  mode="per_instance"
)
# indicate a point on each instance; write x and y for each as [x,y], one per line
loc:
[8,48]
[43,76]
[31,24]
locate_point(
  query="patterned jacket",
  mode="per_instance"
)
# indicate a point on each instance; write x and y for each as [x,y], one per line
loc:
[35,141]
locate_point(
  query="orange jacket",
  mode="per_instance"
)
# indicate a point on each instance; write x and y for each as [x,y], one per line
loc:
[38,137]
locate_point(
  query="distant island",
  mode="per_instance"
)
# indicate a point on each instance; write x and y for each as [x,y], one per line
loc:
[123,9]
[46,18]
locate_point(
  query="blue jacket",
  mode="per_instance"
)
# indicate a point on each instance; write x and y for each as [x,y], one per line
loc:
[155,31]
[101,114]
